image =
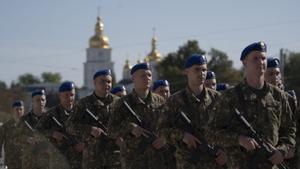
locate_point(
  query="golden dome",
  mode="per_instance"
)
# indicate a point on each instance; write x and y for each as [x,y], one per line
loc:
[154,55]
[127,65]
[99,40]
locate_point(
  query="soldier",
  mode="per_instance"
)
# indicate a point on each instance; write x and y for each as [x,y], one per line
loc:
[266,109]
[134,116]
[195,101]
[10,137]
[119,91]
[53,126]
[273,75]
[211,80]
[162,88]
[90,121]
[35,147]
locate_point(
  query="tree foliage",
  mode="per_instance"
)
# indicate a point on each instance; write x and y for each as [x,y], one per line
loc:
[171,67]
[292,73]
[28,79]
[51,77]
[223,67]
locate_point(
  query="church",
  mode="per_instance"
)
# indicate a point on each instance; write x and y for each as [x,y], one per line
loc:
[99,56]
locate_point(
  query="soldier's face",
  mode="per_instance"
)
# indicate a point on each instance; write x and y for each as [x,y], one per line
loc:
[39,103]
[18,111]
[255,64]
[196,74]
[211,83]
[142,79]
[163,91]
[103,84]
[67,98]
[273,76]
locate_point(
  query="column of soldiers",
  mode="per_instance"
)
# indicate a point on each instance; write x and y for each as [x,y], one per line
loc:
[249,126]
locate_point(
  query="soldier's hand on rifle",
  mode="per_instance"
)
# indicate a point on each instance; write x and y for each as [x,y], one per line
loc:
[79,147]
[33,140]
[221,157]
[248,143]
[97,132]
[291,153]
[58,136]
[120,141]
[158,143]
[277,157]
[190,140]
[138,131]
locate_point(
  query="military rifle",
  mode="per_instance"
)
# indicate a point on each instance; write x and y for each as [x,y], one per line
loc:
[204,147]
[266,148]
[146,141]
[70,139]
[103,142]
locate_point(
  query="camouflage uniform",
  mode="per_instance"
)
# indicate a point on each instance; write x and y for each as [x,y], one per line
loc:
[268,112]
[295,161]
[34,156]
[10,136]
[120,125]
[101,152]
[64,150]
[196,108]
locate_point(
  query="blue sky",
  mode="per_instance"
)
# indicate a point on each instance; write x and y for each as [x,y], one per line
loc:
[52,35]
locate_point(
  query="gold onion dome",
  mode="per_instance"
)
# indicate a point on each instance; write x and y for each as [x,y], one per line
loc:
[127,65]
[99,40]
[154,55]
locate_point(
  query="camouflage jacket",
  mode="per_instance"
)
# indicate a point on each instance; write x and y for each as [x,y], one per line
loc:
[100,151]
[267,110]
[10,135]
[120,124]
[47,125]
[197,110]
[80,123]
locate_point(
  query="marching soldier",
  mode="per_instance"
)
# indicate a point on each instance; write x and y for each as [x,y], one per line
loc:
[10,137]
[135,119]
[194,101]
[273,76]
[253,121]
[68,147]
[211,80]
[162,88]
[90,121]
[35,146]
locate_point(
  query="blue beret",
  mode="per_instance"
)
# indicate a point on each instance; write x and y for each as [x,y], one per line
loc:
[103,72]
[257,46]
[195,59]
[66,86]
[139,66]
[118,89]
[273,63]
[159,83]
[222,86]
[38,92]
[291,93]
[210,75]
[17,103]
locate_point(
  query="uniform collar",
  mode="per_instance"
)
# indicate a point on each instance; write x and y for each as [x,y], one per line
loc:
[250,93]
[102,101]
[203,97]
[148,100]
